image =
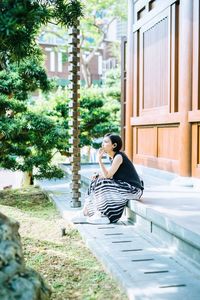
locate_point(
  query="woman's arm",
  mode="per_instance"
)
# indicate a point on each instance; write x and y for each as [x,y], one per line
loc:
[108,173]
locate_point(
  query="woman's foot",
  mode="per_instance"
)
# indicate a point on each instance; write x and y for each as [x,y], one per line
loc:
[97,218]
[79,218]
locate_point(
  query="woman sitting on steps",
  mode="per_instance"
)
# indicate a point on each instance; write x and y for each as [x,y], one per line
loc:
[110,190]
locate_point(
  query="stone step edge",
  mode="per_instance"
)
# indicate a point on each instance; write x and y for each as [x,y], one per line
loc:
[160,219]
[111,266]
[165,223]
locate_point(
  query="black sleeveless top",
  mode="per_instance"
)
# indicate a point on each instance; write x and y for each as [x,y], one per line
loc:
[127,172]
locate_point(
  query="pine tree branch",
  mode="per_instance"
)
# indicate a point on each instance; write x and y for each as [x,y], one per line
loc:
[56,34]
[104,33]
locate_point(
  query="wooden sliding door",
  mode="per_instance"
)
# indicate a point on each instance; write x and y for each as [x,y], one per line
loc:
[155,118]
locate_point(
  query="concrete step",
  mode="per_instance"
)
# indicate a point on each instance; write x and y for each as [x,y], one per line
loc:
[171,216]
[142,264]
[145,270]
[169,211]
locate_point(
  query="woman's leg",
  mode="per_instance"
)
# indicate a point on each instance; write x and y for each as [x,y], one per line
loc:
[85,210]
[108,199]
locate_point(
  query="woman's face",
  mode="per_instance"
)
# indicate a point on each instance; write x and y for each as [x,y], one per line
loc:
[107,144]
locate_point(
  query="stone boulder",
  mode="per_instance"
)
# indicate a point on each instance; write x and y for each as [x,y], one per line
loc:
[17,282]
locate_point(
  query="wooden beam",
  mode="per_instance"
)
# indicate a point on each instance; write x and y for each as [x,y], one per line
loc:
[185,84]
[129,87]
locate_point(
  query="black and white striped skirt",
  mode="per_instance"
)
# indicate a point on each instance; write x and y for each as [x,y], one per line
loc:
[110,196]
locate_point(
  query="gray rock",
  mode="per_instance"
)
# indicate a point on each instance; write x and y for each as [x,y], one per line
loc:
[16,280]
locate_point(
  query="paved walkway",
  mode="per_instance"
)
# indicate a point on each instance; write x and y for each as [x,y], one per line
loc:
[145,269]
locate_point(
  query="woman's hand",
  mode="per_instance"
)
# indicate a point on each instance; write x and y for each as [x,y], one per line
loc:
[100,154]
[95,176]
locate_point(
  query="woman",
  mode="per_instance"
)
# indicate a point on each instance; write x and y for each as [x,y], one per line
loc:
[110,190]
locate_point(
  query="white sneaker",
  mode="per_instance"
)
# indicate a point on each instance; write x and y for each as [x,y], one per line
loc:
[97,219]
[79,218]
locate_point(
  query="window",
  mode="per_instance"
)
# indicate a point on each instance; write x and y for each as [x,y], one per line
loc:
[59,61]
[52,61]
[100,65]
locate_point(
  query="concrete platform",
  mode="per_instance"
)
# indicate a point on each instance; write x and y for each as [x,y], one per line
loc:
[169,210]
[145,270]
[157,256]
[170,215]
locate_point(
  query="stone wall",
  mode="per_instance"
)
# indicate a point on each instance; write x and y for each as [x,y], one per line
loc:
[16,280]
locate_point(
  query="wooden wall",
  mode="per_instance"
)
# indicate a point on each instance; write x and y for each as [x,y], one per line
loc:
[163,59]
[194,114]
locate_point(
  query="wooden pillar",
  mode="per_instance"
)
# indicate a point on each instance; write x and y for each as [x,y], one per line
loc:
[185,85]
[123,87]
[74,86]
[129,84]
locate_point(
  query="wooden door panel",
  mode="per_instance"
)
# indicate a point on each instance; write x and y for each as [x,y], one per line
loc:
[146,141]
[158,63]
[196,149]
[168,142]
[155,56]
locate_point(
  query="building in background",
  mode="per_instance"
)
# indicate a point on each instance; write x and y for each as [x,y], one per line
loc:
[56,62]
[56,56]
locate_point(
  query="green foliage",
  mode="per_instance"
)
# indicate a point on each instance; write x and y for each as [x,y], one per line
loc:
[33,131]
[29,139]
[97,16]
[22,79]
[20,21]
[113,84]
[112,90]
[96,116]
[55,107]
[67,13]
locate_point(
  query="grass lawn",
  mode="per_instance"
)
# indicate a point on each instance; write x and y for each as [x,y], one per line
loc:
[65,263]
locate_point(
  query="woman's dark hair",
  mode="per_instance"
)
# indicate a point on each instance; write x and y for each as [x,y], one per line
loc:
[115,139]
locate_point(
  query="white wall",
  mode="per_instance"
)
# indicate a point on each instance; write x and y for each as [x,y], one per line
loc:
[10,178]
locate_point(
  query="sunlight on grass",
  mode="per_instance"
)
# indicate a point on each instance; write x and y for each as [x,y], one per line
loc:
[31,200]
[65,263]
